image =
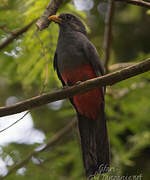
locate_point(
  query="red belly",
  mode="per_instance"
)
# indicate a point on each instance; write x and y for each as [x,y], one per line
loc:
[87,104]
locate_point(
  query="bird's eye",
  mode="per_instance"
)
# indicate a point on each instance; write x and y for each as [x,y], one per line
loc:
[68,17]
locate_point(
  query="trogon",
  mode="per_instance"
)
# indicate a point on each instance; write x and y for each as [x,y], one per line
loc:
[76,60]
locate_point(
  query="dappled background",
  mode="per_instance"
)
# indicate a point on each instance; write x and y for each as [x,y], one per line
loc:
[26,65]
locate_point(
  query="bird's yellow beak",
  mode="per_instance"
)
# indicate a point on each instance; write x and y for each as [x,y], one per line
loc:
[55,18]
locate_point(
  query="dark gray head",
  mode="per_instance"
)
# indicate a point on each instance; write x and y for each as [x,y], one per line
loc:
[68,22]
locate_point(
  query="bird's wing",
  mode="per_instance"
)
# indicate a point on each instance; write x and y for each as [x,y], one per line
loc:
[59,75]
[56,68]
[93,58]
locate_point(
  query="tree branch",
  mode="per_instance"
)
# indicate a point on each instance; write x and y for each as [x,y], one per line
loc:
[51,9]
[15,34]
[137,2]
[106,80]
[120,66]
[5,29]
[108,33]
[49,144]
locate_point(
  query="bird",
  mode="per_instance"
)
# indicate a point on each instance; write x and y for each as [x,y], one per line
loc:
[76,60]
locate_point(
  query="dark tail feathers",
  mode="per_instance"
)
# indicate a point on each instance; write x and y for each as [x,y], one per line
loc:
[95,145]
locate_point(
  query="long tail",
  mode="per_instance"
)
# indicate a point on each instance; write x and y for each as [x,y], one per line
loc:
[94,143]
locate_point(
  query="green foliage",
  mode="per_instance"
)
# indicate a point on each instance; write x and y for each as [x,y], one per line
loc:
[34,50]
[23,70]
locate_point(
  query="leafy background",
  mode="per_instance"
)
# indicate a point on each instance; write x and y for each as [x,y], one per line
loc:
[23,66]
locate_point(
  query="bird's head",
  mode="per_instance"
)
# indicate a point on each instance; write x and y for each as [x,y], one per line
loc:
[69,22]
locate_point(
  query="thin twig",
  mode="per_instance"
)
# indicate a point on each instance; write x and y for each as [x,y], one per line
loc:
[6,30]
[53,141]
[108,33]
[44,84]
[83,87]
[14,122]
[15,34]
[45,58]
[137,3]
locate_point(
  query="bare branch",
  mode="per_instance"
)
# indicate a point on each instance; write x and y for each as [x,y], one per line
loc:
[120,66]
[137,2]
[51,9]
[15,34]
[14,122]
[108,32]
[106,80]
[53,141]
[5,29]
